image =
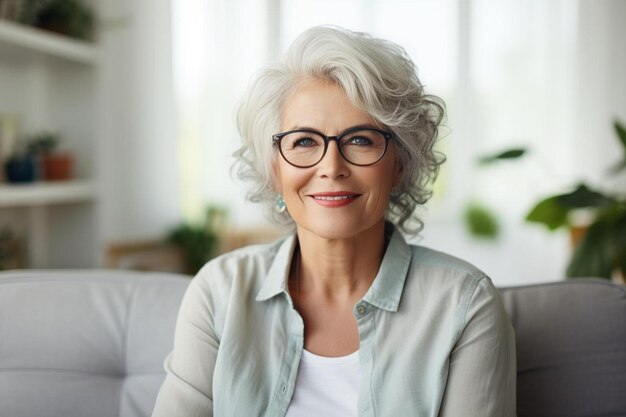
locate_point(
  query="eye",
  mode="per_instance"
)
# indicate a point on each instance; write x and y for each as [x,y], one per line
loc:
[360,141]
[304,142]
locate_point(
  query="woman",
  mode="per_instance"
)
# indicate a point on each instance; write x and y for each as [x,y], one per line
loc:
[343,318]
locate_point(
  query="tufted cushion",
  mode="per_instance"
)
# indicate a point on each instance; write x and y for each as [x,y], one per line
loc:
[85,343]
[571,348]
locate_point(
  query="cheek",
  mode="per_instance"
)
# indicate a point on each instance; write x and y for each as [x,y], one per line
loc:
[382,186]
[289,180]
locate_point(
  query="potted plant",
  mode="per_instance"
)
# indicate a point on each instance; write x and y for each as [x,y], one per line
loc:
[199,243]
[66,17]
[54,165]
[600,243]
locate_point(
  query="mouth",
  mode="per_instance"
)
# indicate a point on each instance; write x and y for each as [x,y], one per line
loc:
[334,199]
[334,195]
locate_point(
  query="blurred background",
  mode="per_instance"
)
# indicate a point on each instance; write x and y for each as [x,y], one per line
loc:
[117,128]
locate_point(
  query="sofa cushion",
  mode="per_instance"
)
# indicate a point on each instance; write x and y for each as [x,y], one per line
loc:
[571,348]
[84,343]
[92,343]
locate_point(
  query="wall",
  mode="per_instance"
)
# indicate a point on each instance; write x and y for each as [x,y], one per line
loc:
[137,157]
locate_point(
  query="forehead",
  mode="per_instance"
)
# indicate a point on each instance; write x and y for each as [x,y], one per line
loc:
[322,105]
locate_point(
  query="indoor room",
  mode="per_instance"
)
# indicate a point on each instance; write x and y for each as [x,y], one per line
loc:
[132,138]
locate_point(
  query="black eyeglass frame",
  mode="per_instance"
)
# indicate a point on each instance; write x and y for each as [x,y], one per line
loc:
[279,136]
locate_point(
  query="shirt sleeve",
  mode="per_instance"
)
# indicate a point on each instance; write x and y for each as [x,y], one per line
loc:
[188,386]
[483,370]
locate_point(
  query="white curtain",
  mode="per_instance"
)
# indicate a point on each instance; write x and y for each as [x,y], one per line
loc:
[218,44]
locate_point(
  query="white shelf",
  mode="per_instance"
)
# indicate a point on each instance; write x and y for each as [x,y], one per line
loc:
[46,193]
[20,43]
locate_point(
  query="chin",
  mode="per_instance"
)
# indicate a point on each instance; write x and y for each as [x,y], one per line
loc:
[334,229]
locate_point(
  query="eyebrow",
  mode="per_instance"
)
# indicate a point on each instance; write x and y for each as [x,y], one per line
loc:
[361,126]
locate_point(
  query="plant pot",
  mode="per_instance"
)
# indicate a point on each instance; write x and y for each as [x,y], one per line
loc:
[576,234]
[57,166]
[20,169]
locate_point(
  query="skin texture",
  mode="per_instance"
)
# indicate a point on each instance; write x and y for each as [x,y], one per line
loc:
[341,247]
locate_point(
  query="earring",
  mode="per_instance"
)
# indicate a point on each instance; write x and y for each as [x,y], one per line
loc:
[279,204]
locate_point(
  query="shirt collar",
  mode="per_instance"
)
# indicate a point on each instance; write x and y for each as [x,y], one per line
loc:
[276,279]
[385,292]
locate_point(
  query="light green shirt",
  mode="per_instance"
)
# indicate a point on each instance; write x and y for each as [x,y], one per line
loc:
[434,339]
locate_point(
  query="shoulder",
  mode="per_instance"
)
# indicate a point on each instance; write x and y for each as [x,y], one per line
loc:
[442,263]
[241,271]
[456,282]
[244,265]
[442,269]
[444,276]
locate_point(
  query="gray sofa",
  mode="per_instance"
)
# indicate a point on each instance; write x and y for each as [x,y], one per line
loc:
[92,343]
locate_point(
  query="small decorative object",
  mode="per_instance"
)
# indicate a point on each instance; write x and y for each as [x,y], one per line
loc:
[11,250]
[10,9]
[67,17]
[54,165]
[58,166]
[20,168]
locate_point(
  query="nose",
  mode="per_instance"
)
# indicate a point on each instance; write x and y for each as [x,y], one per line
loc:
[333,165]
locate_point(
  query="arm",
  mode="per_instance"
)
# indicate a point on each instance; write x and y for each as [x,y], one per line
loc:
[188,387]
[483,370]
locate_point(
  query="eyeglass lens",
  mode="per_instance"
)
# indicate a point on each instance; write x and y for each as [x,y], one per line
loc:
[361,147]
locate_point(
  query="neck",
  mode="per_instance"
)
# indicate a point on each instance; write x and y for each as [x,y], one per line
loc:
[340,269]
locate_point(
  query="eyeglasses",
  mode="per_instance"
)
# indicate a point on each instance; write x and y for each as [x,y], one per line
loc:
[305,148]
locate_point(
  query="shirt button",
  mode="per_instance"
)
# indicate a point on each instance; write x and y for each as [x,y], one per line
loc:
[283,389]
[361,310]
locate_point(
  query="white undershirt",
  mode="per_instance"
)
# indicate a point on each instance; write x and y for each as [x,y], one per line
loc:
[326,386]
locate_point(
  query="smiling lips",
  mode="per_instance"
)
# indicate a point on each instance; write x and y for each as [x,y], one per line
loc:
[334,199]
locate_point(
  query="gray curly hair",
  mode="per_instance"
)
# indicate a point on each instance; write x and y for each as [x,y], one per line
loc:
[380,79]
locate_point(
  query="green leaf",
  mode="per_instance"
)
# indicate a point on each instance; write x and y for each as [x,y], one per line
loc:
[583,197]
[593,257]
[508,154]
[619,232]
[549,212]
[553,211]
[481,222]
[197,244]
[621,136]
[603,248]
